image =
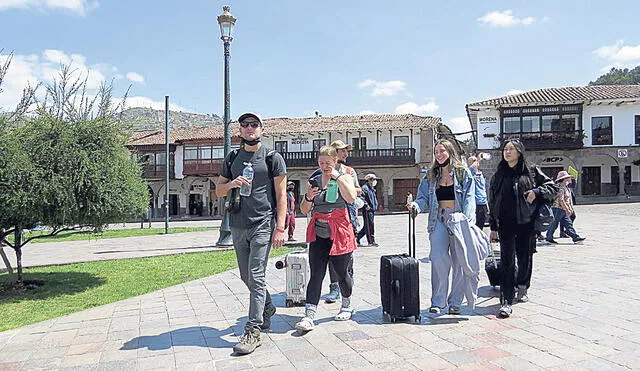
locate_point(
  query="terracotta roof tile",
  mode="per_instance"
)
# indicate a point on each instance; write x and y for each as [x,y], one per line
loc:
[276,126]
[577,94]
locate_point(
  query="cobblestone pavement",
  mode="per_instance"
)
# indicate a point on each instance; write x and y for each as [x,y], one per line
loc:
[583,314]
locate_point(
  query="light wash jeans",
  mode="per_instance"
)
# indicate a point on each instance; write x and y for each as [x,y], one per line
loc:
[252,252]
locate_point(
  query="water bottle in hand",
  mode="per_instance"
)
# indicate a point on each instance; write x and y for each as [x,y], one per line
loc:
[245,190]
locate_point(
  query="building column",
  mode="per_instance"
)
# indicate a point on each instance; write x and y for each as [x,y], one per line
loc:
[621,167]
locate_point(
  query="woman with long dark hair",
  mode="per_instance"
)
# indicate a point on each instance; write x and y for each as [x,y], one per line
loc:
[517,189]
[447,188]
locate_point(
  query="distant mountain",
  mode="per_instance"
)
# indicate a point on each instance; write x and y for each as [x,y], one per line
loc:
[149,119]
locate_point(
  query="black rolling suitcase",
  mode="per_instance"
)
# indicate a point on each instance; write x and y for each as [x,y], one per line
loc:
[493,267]
[399,281]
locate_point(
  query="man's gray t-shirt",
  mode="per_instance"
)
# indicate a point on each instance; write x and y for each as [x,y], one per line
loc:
[261,204]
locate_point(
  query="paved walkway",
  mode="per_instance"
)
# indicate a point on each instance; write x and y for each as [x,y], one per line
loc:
[583,314]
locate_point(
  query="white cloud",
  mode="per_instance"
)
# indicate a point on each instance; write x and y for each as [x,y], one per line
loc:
[514,92]
[458,124]
[35,68]
[417,109]
[367,112]
[80,7]
[619,55]
[506,19]
[135,77]
[149,103]
[383,88]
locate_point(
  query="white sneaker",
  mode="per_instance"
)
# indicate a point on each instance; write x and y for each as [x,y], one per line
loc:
[305,324]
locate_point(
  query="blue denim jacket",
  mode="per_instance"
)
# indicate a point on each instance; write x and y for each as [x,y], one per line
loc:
[481,190]
[465,198]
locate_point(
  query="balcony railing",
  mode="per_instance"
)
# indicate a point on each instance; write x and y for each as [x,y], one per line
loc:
[390,156]
[202,166]
[156,172]
[549,140]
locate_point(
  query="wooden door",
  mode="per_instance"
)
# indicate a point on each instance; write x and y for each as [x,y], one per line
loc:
[591,181]
[400,189]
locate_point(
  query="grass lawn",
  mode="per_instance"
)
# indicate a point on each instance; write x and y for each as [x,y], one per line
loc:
[108,233]
[75,287]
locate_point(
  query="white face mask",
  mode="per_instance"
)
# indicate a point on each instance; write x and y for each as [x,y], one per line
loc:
[374,183]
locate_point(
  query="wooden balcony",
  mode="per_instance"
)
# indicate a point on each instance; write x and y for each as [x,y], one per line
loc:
[357,157]
[202,166]
[156,172]
[549,140]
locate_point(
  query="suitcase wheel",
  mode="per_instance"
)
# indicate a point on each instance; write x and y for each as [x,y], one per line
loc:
[289,303]
[418,319]
[393,319]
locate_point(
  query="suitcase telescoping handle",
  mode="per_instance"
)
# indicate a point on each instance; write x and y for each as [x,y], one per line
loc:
[412,234]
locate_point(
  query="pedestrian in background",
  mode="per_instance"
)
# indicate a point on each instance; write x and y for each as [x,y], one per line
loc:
[563,209]
[482,204]
[369,210]
[290,221]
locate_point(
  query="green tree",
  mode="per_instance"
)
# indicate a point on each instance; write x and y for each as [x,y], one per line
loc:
[619,77]
[66,166]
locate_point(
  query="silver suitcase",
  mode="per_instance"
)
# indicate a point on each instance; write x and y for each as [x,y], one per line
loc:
[298,273]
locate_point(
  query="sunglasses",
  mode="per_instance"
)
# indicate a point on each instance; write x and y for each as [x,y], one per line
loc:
[253,124]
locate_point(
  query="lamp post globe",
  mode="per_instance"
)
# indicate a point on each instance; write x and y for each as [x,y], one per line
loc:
[226,22]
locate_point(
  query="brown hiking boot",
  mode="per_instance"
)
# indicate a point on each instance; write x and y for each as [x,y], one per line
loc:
[249,341]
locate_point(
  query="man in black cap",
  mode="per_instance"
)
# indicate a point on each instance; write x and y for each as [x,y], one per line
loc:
[259,222]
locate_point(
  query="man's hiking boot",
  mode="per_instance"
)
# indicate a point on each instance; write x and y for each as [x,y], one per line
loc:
[249,341]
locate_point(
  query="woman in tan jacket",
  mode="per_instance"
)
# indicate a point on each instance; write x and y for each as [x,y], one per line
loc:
[563,209]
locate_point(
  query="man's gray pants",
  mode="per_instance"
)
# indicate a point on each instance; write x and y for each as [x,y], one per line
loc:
[252,252]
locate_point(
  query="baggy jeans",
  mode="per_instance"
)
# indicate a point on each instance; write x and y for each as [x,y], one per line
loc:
[252,248]
[443,260]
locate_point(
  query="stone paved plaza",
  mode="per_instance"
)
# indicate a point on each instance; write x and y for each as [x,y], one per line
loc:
[584,314]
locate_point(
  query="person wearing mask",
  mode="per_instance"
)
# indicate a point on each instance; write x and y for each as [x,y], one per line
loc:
[258,224]
[290,222]
[482,204]
[563,210]
[369,210]
[447,188]
[329,234]
[515,190]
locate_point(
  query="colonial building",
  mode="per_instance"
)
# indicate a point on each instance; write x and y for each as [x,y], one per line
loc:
[394,147]
[594,129]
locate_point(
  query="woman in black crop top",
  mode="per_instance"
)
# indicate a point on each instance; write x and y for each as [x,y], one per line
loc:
[445,193]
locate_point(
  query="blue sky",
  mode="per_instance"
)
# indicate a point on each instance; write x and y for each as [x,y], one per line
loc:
[292,58]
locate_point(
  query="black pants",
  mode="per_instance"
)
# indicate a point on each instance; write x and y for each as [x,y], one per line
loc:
[318,259]
[333,275]
[481,215]
[368,228]
[516,241]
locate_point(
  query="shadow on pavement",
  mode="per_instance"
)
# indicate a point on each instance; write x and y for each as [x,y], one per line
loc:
[201,336]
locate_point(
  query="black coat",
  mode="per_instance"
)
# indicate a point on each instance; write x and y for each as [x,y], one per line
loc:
[525,212]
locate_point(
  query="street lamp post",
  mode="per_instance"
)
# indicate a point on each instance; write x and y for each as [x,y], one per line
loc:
[226,22]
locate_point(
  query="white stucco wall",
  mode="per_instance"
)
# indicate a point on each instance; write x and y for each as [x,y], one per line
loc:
[623,118]
[375,140]
[178,162]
